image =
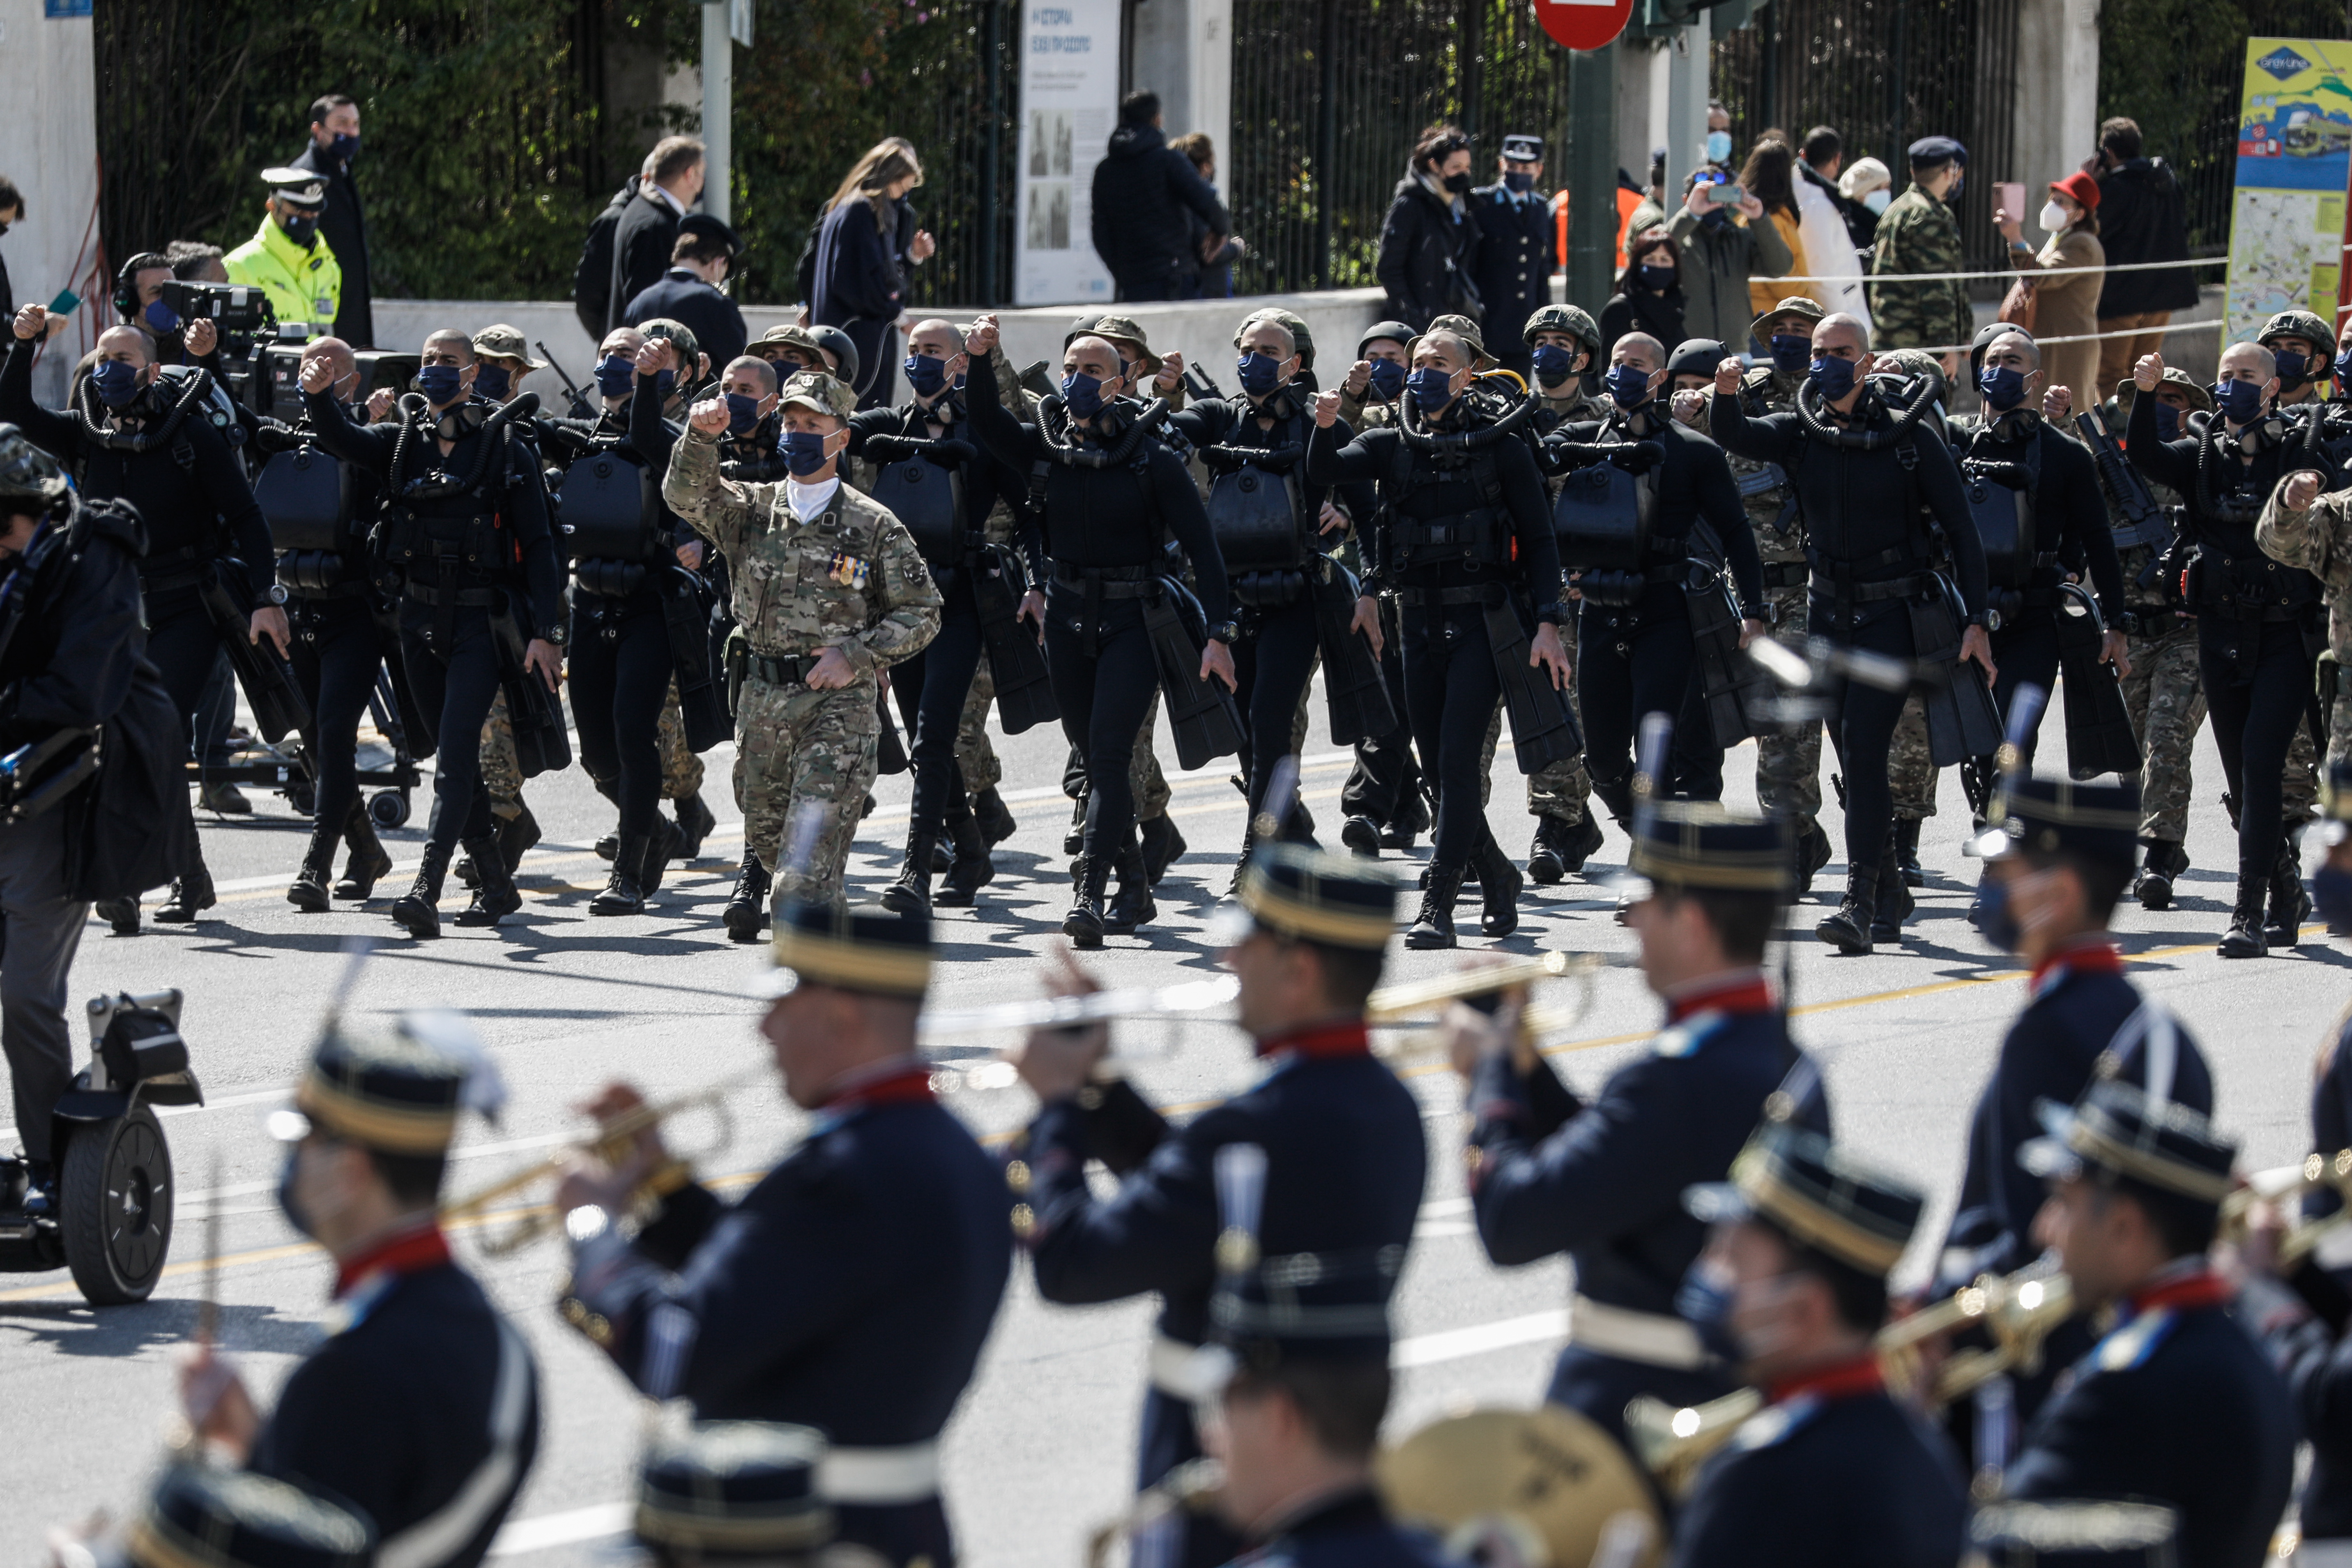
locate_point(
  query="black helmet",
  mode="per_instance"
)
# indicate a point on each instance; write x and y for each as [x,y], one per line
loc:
[1697,356]
[843,349]
[29,473]
[1397,329]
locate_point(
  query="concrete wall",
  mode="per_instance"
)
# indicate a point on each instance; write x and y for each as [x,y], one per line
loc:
[49,147]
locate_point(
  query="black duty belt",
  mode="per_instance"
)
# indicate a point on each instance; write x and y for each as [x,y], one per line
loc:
[1787,575]
[1109,582]
[781,669]
[458,598]
[2149,623]
[1418,598]
[350,589]
[2233,611]
[1868,593]
[181,568]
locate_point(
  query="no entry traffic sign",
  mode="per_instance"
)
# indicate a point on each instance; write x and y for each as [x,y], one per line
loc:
[1583,24]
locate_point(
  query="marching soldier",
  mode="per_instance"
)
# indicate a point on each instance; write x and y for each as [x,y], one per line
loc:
[1787,763]
[1601,1180]
[1911,771]
[1344,1157]
[852,1288]
[1516,245]
[421,1407]
[2176,1406]
[1832,1470]
[2304,528]
[829,588]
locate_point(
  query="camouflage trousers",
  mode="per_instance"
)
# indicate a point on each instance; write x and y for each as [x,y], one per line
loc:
[1562,790]
[1911,765]
[2299,797]
[1789,767]
[794,745]
[2338,708]
[2166,699]
[502,770]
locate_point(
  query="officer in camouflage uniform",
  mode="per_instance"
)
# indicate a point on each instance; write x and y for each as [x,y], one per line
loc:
[1919,233]
[1788,766]
[1911,769]
[828,588]
[2164,692]
[2313,532]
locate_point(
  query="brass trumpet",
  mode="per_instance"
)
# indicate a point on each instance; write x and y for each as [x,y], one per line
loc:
[611,1145]
[2319,1171]
[1392,1005]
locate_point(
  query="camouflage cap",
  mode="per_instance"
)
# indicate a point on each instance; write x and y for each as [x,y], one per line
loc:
[679,336]
[1296,325]
[2200,400]
[2296,324]
[1124,332]
[1468,330]
[1794,305]
[820,394]
[1570,318]
[502,342]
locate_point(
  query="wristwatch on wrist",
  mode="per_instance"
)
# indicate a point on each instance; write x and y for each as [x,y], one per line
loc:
[1226,632]
[273,595]
[556,636]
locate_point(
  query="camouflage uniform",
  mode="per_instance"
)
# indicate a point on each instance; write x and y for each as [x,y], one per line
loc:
[1911,766]
[2319,540]
[501,769]
[681,769]
[850,578]
[1787,767]
[1918,233]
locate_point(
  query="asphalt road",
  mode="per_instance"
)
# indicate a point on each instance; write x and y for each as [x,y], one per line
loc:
[1040,1452]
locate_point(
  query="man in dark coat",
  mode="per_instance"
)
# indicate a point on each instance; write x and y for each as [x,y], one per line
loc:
[2142,217]
[1429,246]
[688,291]
[648,231]
[334,142]
[1141,189]
[1518,249]
[591,281]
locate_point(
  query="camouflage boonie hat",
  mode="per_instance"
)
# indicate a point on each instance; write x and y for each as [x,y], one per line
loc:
[1569,318]
[1794,305]
[1121,331]
[502,342]
[2296,324]
[787,337]
[1300,336]
[2126,390]
[819,393]
[1916,363]
[1465,329]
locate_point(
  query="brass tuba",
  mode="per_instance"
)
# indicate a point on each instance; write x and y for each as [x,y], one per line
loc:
[1535,1489]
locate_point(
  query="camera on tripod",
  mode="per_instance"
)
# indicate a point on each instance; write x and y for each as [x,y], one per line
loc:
[235,310]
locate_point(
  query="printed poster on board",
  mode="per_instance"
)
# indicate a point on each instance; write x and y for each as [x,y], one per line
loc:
[1069,105]
[2295,159]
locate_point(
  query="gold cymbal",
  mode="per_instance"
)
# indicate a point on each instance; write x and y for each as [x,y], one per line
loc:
[1555,1487]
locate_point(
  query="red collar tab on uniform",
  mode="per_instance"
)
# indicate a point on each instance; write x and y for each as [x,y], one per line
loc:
[1346,1038]
[904,1083]
[1745,991]
[2092,954]
[1839,1380]
[2187,1292]
[411,1250]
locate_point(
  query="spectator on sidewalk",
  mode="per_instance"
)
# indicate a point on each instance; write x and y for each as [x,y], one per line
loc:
[2142,217]
[1722,249]
[1827,219]
[2065,306]
[1213,252]
[1429,246]
[1771,176]
[591,281]
[1143,189]
[1920,233]
[688,291]
[867,247]
[1868,188]
[334,144]
[1648,297]
[648,231]
[1516,252]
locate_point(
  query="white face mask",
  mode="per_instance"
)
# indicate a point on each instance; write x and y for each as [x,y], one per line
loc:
[1876,200]
[2054,217]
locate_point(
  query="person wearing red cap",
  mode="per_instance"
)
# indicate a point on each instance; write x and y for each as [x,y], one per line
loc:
[2066,305]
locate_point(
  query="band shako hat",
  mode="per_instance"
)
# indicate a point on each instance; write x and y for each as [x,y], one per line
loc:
[1700,844]
[395,1087]
[721,1490]
[2118,1133]
[201,1517]
[2050,816]
[1793,1179]
[1337,901]
[2069,1535]
[862,947]
[297,187]
[1327,1306]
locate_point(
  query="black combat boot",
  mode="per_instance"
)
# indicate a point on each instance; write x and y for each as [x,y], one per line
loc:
[122,914]
[694,825]
[972,868]
[1895,900]
[309,891]
[2290,903]
[1084,924]
[911,893]
[1411,820]
[418,910]
[1131,906]
[1498,885]
[1848,929]
[1360,834]
[1074,840]
[192,893]
[495,897]
[995,818]
[1433,926]
[1162,844]
[1547,857]
[517,836]
[747,905]
[2244,939]
[2161,864]
[1906,849]
[365,861]
[1583,839]
[661,848]
[623,894]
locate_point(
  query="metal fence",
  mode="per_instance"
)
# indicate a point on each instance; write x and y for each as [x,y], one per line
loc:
[1884,73]
[972,83]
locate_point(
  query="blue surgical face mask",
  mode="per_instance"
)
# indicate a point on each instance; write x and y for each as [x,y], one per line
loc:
[438,383]
[117,381]
[1082,394]
[2331,891]
[1259,374]
[616,373]
[1553,363]
[803,451]
[1791,353]
[2241,402]
[2344,366]
[1432,388]
[2291,366]
[1718,146]
[344,148]
[1517,183]
[1629,385]
[1656,278]
[492,381]
[161,317]
[925,374]
[743,414]
[1995,921]
[1389,377]
[2167,422]
[1877,201]
[286,1202]
[664,383]
[2004,386]
[1832,377]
